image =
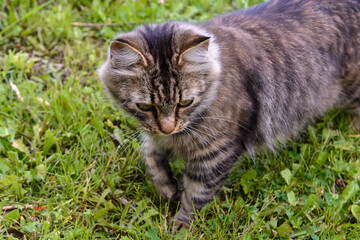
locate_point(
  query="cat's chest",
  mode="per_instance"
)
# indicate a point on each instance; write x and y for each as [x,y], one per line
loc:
[185,144]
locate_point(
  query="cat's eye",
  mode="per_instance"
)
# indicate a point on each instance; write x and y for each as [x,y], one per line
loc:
[144,107]
[185,103]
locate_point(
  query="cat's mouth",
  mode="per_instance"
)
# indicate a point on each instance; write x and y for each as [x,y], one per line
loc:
[166,129]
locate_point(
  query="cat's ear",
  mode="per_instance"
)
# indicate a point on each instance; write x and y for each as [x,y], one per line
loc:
[194,49]
[122,54]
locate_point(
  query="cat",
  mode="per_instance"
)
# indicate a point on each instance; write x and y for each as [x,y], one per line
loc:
[212,91]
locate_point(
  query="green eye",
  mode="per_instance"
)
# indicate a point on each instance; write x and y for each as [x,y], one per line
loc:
[144,107]
[185,103]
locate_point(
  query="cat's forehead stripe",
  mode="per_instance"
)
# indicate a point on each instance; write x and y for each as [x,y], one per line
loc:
[160,42]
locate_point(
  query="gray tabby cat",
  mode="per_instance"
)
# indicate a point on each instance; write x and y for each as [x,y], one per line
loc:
[210,92]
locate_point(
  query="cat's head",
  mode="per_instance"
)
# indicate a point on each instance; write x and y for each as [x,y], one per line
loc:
[164,75]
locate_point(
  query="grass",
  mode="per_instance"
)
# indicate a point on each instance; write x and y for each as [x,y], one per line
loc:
[70,164]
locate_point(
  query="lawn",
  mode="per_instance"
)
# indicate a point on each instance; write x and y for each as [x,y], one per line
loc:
[70,161]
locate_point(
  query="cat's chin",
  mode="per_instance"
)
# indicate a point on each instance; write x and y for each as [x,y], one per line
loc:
[161,134]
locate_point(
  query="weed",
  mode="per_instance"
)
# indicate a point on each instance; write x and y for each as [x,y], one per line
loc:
[70,161]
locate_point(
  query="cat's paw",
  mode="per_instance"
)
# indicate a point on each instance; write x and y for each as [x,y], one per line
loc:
[356,123]
[169,192]
[179,225]
[176,225]
[182,219]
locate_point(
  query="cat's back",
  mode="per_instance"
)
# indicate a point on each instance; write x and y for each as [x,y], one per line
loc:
[296,58]
[279,12]
[326,28]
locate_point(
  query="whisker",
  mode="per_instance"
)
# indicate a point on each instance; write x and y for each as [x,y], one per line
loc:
[129,143]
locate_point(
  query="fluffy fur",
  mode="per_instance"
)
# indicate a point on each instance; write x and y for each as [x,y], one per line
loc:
[251,77]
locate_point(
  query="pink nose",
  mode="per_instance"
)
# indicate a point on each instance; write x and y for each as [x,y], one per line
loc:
[167,125]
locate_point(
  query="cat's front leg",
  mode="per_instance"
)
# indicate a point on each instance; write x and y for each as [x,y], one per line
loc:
[204,177]
[356,122]
[158,170]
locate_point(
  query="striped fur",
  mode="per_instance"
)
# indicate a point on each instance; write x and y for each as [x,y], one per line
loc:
[210,92]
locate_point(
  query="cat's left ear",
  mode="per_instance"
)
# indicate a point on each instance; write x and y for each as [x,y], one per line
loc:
[194,49]
[124,54]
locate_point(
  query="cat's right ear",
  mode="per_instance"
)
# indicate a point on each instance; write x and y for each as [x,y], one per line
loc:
[194,49]
[122,54]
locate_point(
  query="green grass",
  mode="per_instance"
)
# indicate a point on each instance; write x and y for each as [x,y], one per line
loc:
[70,163]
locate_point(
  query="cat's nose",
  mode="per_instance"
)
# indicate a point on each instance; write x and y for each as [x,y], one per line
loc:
[167,125]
